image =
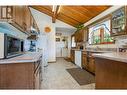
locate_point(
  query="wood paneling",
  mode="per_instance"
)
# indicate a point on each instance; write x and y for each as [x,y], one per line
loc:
[16,76]
[73,15]
[79,36]
[73,56]
[44,9]
[18,16]
[88,62]
[21,75]
[110,74]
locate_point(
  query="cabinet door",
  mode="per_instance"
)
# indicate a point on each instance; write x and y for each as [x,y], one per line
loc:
[27,19]
[84,61]
[72,56]
[91,64]
[81,35]
[85,34]
[78,37]
[19,16]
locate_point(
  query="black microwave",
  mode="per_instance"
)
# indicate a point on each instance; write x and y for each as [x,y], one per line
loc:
[10,46]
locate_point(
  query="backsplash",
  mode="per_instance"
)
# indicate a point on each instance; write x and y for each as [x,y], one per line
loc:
[120,42]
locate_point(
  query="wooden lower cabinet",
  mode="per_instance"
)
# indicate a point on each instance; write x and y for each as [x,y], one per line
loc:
[88,62]
[21,75]
[110,74]
[84,60]
[73,56]
[91,64]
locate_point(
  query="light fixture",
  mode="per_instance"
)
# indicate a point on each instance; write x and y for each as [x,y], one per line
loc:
[47,29]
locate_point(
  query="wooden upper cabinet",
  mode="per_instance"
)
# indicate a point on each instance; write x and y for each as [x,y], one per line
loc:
[18,16]
[79,36]
[119,22]
[82,35]
[85,31]
[28,19]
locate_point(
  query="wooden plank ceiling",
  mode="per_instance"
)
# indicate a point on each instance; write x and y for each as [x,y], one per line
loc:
[72,15]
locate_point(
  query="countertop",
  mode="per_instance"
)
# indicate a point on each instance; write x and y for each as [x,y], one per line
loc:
[94,51]
[99,51]
[24,58]
[78,49]
[117,56]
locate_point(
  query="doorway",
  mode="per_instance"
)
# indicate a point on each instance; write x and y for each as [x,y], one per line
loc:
[61,46]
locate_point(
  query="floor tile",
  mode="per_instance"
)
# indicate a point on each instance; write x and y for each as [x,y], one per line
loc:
[55,76]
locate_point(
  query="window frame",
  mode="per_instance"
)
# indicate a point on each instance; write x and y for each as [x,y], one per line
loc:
[108,17]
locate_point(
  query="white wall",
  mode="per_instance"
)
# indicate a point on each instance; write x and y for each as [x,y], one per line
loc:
[42,21]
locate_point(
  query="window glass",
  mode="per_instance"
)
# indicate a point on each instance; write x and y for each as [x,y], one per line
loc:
[100,33]
[73,42]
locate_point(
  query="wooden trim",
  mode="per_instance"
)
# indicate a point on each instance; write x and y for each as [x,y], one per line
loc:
[54,17]
[17,27]
[2,13]
[100,20]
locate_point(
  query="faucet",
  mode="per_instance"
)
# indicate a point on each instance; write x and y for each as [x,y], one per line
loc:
[98,48]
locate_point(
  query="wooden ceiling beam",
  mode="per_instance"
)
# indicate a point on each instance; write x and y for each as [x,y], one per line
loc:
[55,14]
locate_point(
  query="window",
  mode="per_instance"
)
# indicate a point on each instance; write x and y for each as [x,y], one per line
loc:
[73,44]
[100,33]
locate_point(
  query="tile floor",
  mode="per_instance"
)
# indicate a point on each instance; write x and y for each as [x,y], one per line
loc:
[56,77]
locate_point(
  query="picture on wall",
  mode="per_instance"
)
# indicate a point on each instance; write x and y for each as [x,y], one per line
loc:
[57,39]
